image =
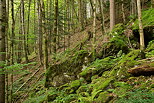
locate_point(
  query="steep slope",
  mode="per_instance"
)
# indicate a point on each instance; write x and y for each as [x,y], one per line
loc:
[103,80]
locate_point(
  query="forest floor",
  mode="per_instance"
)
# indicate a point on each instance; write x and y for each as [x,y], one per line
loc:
[35,72]
[105,79]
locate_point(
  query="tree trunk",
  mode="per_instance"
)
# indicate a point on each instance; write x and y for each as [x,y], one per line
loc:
[133,7]
[102,16]
[40,32]
[94,29]
[81,21]
[2,48]
[152,3]
[45,36]
[23,30]
[29,8]
[55,26]
[123,11]
[7,49]
[112,14]
[12,47]
[142,45]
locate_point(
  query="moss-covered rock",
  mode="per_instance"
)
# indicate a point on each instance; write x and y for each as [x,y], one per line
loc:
[102,83]
[145,69]
[147,19]
[98,67]
[127,62]
[150,49]
[75,84]
[71,67]
[117,42]
[104,97]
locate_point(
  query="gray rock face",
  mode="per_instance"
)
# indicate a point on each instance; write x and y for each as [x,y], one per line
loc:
[62,79]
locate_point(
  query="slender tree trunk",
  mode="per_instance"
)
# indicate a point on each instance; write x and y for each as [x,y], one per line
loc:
[20,44]
[94,29]
[92,7]
[35,48]
[64,16]
[51,25]
[45,36]
[12,48]
[68,22]
[81,21]
[123,11]
[152,3]
[23,30]
[112,14]
[7,49]
[142,45]
[55,26]
[29,9]
[133,7]
[102,16]
[40,32]
[2,48]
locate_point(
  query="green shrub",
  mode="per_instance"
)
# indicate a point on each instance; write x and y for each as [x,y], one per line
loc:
[137,96]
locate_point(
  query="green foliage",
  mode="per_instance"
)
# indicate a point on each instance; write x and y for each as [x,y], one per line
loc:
[117,42]
[117,30]
[147,19]
[16,68]
[75,83]
[127,62]
[99,65]
[103,97]
[85,97]
[61,57]
[150,49]
[137,96]
[37,99]
[103,83]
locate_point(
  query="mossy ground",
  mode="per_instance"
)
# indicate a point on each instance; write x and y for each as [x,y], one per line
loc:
[105,80]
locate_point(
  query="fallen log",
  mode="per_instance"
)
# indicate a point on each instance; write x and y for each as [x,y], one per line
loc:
[144,69]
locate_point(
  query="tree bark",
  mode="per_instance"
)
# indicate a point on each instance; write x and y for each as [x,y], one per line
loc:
[123,11]
[112,14]
[81,21]
[29,8]
[152,3]
[23,30]
[45,36]
[40,32]
[7,50]
[142,45]
[55,26]
[2,48]
[12,47]
[102,16]
[94,29]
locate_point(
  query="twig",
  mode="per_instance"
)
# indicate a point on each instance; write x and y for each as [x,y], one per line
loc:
[28,79]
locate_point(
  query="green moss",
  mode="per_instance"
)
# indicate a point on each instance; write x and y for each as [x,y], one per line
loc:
[106,74]
[150,49]
[103,97]
[151,64]
[99,66]
[136,96]
[103,83]
[75,83]
[94,77]
[127,62]
[83,88]
[121,84]
[71,66]
[147,19]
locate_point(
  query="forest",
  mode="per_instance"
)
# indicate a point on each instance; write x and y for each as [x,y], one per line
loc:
[76,51]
